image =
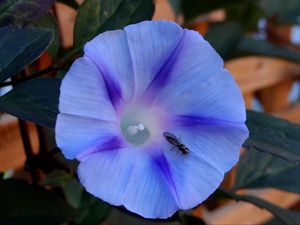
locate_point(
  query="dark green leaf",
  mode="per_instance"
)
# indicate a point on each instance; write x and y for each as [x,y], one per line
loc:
[72,3]
[93,210]
[91,16]
[250,46]
[276,163]
[20,12]
[20,47]
[286,11]
[261,170]
[73,191]
[273,135]
[70,165]
[288,217]
[194,8]
[122,216]
[35,100]
[189,220]
[48,21]
[246,13]
[274,221]
[56,178]
[24,204]
[176,5]
[129,12]
[224,37]
[61,74]
[95,16]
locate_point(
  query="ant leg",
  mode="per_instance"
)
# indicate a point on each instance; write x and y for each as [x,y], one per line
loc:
[179,138]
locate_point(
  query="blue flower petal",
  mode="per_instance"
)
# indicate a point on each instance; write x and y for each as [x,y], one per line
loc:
[86,117]
[114,63]
[213,95]
[151,45]
[83,93]
[193,178]
[76,135]
[172,57]
[216,142]
[128,177]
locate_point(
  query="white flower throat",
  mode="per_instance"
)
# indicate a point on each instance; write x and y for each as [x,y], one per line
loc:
[135,132]
[139,124]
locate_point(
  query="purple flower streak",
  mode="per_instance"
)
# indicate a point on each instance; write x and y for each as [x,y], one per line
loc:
[129,88]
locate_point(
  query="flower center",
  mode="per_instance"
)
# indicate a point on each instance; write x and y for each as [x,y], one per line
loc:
[135,132]
[139,124]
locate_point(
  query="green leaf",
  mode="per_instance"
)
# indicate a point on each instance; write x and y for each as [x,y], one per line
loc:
[286,216]
[96,16]
[250,46]
[224,37]
[91,16]
[246,13]
[194,8]
[129,12]
[73,191]
[286,11]
[56,178]
[19,12]
[35,100]
[93,210]
[48,21]
[25,204]
[261,170]
[20,47]
[69,165]
[189,220]
[276,136]
[276,163]
[176,6]
[71,3]
[274,221]
[122,216]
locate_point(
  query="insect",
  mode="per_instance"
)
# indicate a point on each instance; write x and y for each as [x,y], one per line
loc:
[172,139]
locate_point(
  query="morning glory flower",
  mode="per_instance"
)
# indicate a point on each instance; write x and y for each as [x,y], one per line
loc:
[131,105]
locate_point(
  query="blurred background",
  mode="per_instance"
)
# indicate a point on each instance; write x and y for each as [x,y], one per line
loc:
[260,43]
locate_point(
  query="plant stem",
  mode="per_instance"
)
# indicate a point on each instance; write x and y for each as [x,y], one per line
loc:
[26,139]
[68,56]
[42,139]
[57,66]
[28,151]
[29,77]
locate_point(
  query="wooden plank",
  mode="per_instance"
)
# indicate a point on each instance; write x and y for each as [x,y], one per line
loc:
[11,147]
[248,98]
[292,113]
[255,73]
[275,98]
[243,213]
